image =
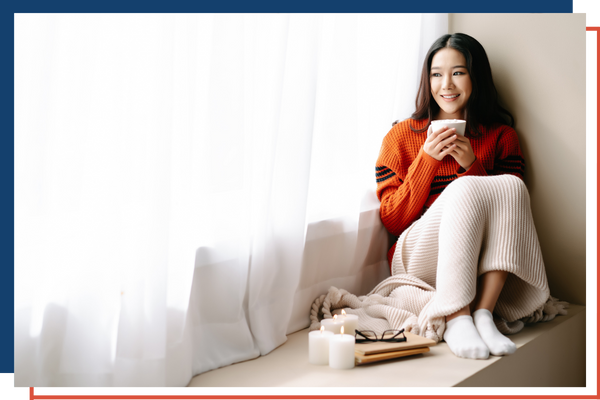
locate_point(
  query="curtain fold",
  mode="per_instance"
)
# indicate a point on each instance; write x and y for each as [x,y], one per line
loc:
[186,184]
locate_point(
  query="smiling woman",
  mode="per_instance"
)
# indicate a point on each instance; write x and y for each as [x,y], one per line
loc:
[450,83]
[460,207]
[459,63]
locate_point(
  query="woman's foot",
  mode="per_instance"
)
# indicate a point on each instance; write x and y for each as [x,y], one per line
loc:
[464,340]
[498,344]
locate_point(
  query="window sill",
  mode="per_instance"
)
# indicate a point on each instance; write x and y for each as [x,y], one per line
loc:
[549,354]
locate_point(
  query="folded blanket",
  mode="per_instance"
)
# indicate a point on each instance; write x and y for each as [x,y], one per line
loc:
[477,225]
[397,302]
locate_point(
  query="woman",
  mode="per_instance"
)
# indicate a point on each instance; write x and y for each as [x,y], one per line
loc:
[463,218]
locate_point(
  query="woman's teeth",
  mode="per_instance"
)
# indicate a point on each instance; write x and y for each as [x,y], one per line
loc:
[450,97]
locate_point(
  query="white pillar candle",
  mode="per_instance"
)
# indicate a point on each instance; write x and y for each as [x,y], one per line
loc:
[332,324]
[318,346]
[350,322]
[341,351]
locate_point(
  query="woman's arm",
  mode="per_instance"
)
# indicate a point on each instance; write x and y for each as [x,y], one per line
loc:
[476,169]
[402,192]
[509,159]
[506,154]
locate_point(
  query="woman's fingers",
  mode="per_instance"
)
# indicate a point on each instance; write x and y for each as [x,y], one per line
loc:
[439,143]
[433,138]
[447,142]
[448,149]
[462,142]
[440,134]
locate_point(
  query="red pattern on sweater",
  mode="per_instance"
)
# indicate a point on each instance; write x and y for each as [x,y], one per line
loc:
[409,180]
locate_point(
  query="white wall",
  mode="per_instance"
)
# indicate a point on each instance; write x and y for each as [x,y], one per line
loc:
[538,65]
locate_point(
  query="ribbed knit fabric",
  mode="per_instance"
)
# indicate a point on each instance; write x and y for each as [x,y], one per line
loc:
[409,180]
[478,224]
[393,304]
[451,231]
[397,302]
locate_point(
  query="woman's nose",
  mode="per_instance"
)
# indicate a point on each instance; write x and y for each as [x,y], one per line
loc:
[447,82]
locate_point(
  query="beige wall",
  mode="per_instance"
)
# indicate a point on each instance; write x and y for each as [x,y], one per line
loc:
[538,65]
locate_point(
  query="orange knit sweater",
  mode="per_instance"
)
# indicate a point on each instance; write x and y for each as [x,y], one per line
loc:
[409,180]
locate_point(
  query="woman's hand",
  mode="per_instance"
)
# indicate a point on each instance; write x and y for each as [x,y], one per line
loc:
[440,143]
[463,152]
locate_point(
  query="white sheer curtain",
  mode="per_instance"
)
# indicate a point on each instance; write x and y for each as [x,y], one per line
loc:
[171,170]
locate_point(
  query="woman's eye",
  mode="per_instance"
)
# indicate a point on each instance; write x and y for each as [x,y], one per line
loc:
[459,73]
[436,74]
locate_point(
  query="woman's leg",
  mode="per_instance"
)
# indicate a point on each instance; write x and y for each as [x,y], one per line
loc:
[463,311]
[478,225]
[489,288]
[462,336]
[466,336]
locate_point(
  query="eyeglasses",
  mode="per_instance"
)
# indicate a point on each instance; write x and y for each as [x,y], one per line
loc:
[391,335]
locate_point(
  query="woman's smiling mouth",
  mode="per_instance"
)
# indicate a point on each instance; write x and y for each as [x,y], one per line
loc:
[450,97]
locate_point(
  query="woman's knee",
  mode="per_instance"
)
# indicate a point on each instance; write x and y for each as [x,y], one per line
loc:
[515,187]
[505,182]
[471,190]
[464,185]
[514,180]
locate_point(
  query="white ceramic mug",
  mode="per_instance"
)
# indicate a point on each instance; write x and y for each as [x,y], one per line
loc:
[459,124]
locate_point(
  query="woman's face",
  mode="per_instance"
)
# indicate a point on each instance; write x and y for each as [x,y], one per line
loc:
[450,83]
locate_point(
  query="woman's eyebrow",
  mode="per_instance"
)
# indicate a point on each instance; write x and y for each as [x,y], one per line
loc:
[456,66]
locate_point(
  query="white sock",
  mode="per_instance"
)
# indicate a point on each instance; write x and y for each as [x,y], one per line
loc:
[463,339]
[498,344]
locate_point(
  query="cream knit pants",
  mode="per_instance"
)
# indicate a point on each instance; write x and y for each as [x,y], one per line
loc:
[478,224]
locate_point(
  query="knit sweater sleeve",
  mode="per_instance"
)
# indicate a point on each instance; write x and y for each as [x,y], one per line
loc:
[403,184]
[509,159]
[476,169]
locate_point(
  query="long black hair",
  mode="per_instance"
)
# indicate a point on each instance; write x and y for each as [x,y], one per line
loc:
[482,107]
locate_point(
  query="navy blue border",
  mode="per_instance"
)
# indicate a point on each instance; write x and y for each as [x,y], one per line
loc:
[305,6]
[7,275]
[272,6]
